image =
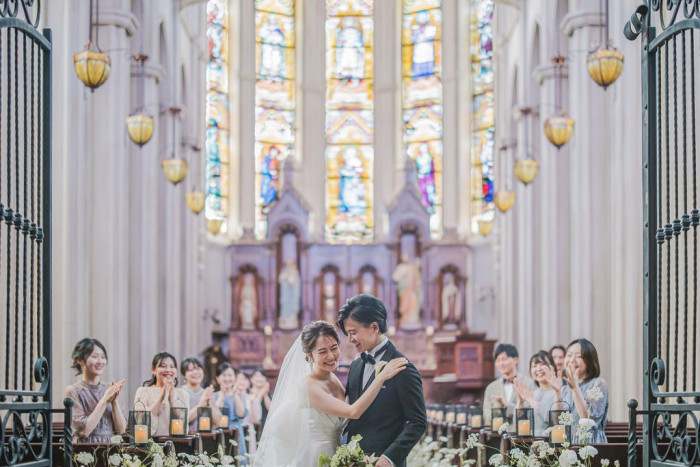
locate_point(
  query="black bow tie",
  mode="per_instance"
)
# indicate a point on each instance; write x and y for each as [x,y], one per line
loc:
[368,359]
[506,381]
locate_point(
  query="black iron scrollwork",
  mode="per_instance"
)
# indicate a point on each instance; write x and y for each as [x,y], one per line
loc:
[677,443]
[22,443]
[668,14]
[31,10]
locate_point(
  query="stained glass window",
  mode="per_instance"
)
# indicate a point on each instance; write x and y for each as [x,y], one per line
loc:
[421,63]
[274,101]
[217,113]
[349,121]
[482,125]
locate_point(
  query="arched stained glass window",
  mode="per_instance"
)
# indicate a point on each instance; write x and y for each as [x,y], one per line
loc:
[274,100]
[217,113]
[349,121]
[483,118]
[421,63]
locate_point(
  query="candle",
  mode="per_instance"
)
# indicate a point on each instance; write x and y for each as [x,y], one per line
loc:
[439,415]
[140,434]
[223,422]
[496,423]
[476,421]
[177,427]
[204,423]
[523,427]
[450,418]
[558,434]
[461,418]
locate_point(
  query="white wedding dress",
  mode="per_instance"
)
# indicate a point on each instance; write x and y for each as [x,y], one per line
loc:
[295,435]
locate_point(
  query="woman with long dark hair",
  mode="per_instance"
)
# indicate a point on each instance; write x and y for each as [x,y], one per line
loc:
[97,415]
[160,393]
[585,391]
[542,369]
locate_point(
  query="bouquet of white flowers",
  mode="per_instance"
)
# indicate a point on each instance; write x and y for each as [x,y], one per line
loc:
[348,455]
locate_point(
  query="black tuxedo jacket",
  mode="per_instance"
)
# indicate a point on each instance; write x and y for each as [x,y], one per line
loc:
[396,420]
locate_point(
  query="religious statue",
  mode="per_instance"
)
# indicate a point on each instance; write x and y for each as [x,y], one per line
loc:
[451,303]
[350,50]
[272,60]
[247,302]
[423,35]
[408,281]
[290,294]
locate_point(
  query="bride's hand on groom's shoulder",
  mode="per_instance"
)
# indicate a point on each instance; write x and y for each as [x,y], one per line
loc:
[392,368]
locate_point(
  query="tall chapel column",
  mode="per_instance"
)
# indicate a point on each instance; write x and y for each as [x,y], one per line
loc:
[110,213]
[451,60]
[244,47]
[589,212]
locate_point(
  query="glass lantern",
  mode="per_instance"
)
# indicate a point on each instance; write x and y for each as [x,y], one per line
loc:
[476,417]
[461,415]
[560,422]
[204,420]
[450,413]
[140,425]
[439,413]
[498,417]
[224,420]
[525,422]
[178,422]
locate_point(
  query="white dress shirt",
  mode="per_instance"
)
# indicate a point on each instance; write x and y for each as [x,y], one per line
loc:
[369,368]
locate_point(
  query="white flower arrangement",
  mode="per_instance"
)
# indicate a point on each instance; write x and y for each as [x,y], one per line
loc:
[567,458]
[566,418]
[503,428]
[496,460]
[605,462]
[116,439]
[84,458]
[594,394]
[587,451]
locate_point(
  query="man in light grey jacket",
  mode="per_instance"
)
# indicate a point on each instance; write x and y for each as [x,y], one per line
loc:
[501,392]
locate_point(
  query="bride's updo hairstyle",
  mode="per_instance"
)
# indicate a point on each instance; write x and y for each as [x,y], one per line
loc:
[313,331]
[365,309]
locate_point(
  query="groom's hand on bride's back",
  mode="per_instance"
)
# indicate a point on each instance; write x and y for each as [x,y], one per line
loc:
[392,368]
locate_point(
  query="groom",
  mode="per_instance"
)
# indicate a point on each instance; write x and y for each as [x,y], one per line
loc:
[396,420]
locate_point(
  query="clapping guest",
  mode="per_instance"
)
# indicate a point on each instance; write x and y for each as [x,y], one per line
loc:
[160,393]
[501,392]
[585,391]
[558,352]
[541,399]
[253,409]
[229,395]
[261,392]
[193,372]
[96,415]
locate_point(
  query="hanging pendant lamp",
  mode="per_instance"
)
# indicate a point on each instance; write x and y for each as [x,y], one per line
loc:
[92,65]
[139,124]
[605,63]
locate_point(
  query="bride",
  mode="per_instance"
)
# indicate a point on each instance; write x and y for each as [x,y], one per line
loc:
[309,412]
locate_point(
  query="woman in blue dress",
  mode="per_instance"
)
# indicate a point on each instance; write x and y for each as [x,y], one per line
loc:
[585,391]
[542,369]
[229,396]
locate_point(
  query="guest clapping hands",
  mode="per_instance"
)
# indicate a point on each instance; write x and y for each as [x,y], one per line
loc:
[97,415]
[193,372]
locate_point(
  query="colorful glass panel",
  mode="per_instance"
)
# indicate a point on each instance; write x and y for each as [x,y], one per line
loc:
[275,65]
[421,59]
[483,119]
[349,121]
[217,113]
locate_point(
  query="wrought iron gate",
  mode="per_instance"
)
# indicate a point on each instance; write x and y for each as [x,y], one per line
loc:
[670,35]
[25,246]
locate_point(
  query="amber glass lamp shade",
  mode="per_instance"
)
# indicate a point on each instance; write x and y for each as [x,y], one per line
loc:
[526,170]
[605,65]
[175,170]
[559,128]
[140,127]
[92,66]
[485,226]
[504,200]
[195,201]
[214,225]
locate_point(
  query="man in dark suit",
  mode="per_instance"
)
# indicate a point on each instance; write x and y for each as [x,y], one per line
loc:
[396,420]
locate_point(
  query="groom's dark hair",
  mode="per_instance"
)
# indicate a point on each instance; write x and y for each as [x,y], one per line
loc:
[364,309]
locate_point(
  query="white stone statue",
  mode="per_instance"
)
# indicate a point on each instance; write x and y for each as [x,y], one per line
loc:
[350,50]
[408,281]
[248,302]
[290,294]
[451,303]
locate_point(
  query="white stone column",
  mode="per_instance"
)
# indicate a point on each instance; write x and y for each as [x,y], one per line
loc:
[244,47]
[389,151]
[590,278]
[311,99]
[451,77]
